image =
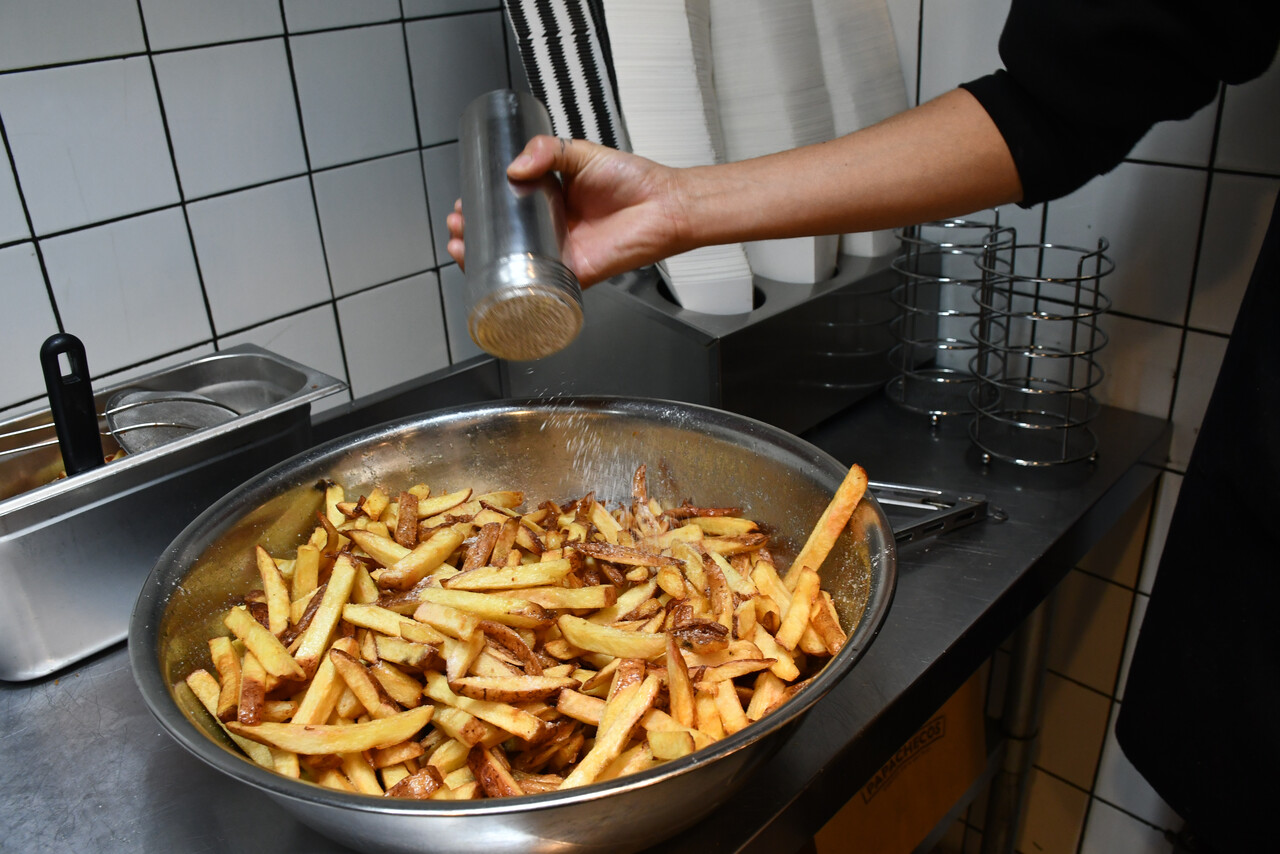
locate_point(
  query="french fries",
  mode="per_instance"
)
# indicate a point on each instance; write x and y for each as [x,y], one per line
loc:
[454,646]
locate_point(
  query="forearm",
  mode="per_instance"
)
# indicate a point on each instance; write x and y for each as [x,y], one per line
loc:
[942,159]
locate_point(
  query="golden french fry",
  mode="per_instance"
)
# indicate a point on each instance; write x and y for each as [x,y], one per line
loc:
[315,639]
[670,744]
[511,689]
[227,663]
[425,558]
[796,618]
[276,590]
[311,739]
[509,577]
[493,776]
[502,715]
[489,606]
[205,687]
[265,646]
[631,703]
[618,643]
[832,521]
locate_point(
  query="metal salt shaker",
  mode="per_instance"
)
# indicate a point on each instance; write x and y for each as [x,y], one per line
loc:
[525,303]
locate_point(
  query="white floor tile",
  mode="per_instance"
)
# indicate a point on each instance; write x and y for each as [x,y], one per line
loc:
[309,338]
[1236,221]
[1121,785]
[945,27]
[128,289]
[374,219]
[88,142]
[44,32]
[354,90]
[1151,217]
[393,333]
[454,60]
[232,115]
[13,222]
[1201,359]
[304,15]
[24,324]
[1250,136]
[444,188]
[1107,830]
[260,253]
[187,23]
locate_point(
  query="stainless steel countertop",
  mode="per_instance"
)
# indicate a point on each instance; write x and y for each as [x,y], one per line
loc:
[84,766]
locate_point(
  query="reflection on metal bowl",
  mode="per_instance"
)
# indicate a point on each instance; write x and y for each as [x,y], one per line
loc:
[556,449]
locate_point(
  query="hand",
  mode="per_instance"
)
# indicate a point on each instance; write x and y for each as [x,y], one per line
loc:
[622,211]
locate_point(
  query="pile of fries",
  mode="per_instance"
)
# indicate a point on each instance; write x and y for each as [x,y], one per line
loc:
[454,646]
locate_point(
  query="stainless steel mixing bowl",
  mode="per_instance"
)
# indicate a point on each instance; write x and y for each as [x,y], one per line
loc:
[552,449]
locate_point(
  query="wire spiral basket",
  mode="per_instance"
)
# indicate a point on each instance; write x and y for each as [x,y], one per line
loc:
[1038,339]
[937,279]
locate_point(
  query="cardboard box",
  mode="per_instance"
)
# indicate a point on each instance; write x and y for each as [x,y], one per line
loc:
[914,790]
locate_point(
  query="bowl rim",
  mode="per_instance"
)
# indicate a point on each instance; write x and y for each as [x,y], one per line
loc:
[178,558]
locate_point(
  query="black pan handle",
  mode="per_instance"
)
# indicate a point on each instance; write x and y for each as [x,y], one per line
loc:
[75,414]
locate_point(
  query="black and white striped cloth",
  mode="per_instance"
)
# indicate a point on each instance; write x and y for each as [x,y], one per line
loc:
[564,50]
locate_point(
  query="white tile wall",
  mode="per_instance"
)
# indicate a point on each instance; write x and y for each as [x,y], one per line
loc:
[467,50]
[395,332]
[232,115]
[440,165]
[310,338]
[87,141]
[113,281]
[305,15]
[187,23]
[13,222]
[354,89]
[234,169]
[26,321]
[374,218]
[1250,136]
[1150,215]
[1235,224]
[44,32]
[453,293]
[260,253]
[1201,357]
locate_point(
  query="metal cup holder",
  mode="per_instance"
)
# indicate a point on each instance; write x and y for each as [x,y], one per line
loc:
[1038,339]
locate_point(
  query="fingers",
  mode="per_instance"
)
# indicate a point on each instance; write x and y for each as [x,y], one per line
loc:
[546,154]
[456,224]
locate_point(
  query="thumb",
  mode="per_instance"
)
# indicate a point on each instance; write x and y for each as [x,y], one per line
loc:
[545,154]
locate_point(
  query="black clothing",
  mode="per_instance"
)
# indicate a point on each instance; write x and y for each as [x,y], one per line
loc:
[1204,686]
[1085,80]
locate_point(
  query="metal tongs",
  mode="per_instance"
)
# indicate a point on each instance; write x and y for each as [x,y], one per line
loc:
[937,511]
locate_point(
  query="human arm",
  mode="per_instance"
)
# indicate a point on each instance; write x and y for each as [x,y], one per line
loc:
[943,158]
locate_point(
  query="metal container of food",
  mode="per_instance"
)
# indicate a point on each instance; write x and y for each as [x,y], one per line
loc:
[74,551]
[557,450]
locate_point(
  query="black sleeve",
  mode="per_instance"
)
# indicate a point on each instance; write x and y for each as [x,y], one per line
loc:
[1084,80]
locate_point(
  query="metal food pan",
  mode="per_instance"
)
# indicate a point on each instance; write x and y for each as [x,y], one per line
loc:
[557,449]
[75,551]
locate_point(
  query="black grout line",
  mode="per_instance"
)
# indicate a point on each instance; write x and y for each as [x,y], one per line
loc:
[177,177]
[1195,258]
[315,202]
[26,214]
